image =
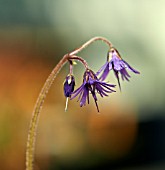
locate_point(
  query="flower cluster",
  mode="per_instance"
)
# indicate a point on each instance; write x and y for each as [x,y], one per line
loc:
[92,85]
[95,84]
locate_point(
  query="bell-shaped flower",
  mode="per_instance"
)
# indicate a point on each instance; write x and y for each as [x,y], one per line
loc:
[117,64]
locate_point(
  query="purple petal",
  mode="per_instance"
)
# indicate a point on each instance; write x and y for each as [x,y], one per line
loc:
[69,85]
[80,95]
[105,73]
[84,96]
[77,91]
[101,69]
[130,68]
[108,88]
[124,74]
[106,84]
[100,90]
[102,93]
[104,88]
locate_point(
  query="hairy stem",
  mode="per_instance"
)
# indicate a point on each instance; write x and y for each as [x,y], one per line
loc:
[89,42]
[37,109]
[30,148]
[80,59]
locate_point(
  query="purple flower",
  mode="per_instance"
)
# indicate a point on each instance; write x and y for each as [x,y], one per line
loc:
[91,85]
[118,65]
[69,85]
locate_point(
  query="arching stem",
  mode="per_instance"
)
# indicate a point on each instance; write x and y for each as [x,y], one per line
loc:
[89,42]
[37,109]
[30,148]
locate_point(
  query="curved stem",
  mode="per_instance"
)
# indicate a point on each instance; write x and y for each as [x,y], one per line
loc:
[80,59]
[89,42]
[40,100]
[70,68]
[38,106]
[36,112]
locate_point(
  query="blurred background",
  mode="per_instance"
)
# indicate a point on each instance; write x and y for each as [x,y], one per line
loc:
[128,134]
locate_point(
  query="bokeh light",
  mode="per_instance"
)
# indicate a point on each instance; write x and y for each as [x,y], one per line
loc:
[129,131]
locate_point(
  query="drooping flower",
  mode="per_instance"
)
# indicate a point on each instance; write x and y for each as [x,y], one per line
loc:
[91,85]
[69,85]
[117,64]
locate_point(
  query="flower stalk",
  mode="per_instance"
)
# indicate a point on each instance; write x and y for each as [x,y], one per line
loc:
[35,116]
[92,84]
[37,109]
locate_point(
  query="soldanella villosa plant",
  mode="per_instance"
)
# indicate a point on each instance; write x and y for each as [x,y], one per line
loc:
[93,84]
